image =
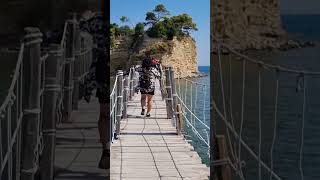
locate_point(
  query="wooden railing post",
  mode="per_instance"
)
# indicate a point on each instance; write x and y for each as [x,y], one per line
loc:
[68,79]
[161,81]
[131,92]
[174,96]
[78,64]
[31,103]
[125,97]
[224,171]
[52,87]
[119,101]
[169,102]
[180,120]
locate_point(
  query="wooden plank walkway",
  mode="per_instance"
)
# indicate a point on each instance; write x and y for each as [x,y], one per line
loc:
[78,149]
[149,148]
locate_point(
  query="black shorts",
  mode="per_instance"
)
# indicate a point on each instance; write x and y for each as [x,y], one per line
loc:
[144,92]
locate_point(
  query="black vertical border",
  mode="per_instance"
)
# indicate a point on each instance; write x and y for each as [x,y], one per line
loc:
[105,10]
[213,149]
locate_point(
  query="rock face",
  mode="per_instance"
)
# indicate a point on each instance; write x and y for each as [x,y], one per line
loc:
[120,54]
[248,24]
[181,54]
[182,57]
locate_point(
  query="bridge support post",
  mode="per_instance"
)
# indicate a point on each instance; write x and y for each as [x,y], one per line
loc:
[180,120]
[78,64]
[68,81]
[31,103]
[224,171]
[119,101]
[174,97]
[169,101]
[131,91]
[125,97]
[52,86]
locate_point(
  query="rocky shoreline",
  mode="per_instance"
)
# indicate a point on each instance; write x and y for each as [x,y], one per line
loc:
[281,46]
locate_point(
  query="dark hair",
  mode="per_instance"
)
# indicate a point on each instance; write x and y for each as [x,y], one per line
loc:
[147,63]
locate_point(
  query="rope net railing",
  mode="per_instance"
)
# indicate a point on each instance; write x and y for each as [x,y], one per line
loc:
[264,110]
[193,98]
[123,89]
[43,88]
[113,107]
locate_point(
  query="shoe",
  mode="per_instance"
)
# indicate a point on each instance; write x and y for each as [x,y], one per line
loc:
[105,159]
[148,115]
[142,112]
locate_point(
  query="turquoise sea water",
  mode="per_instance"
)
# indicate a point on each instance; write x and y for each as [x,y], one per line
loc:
[289,138]
[201,106]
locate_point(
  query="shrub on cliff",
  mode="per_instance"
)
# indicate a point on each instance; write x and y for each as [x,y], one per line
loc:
[162,26]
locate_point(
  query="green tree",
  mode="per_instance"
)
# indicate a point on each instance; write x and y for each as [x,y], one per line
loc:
[184,23]
[125,30]
[151,18]
[158,30]
[114,32]
[161,11]
[124,19]
[139,29]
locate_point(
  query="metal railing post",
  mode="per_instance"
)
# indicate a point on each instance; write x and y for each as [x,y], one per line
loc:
[125,97]
[119,101]
[31,103]
[169,102]
[52,88]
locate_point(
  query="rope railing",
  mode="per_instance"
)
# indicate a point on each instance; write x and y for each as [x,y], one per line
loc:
[42,91]
[187,98]
[238,139]
[123,89]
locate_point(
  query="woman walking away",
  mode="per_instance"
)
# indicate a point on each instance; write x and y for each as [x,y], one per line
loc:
[95,24]
[147,80]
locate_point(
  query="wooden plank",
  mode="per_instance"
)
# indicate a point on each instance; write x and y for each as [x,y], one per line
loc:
[78,148]
[148,148]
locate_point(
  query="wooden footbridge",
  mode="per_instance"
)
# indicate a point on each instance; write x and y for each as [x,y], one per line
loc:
[49,132]
[152,147]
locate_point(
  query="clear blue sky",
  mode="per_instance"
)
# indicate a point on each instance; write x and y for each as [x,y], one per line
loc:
[199,10]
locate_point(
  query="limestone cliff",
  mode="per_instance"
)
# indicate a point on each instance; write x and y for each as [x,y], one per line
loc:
[182,57]
[180,53]
[248,23]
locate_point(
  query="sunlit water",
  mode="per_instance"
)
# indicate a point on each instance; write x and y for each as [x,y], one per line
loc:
[288,141]
[200,105]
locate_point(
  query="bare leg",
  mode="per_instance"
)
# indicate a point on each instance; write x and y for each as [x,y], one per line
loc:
[149,99]
[104,132]
[143,100]
[103,127]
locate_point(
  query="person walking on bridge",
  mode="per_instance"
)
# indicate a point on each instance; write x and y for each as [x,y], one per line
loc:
[147,80]
[94,24]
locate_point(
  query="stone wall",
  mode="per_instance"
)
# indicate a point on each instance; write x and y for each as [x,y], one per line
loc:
[248,23]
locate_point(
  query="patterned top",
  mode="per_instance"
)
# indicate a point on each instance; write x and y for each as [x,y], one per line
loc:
[147,79]
[97,77]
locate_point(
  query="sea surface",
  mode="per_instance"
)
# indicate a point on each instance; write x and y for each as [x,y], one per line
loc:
[296,151]
[200,105]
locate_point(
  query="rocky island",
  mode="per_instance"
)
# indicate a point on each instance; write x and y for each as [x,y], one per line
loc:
[251,24]
[165,37]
